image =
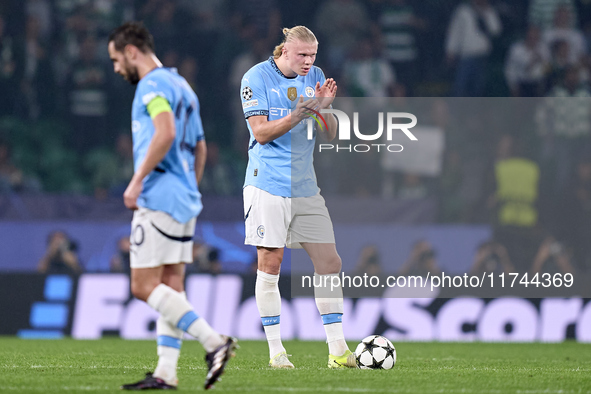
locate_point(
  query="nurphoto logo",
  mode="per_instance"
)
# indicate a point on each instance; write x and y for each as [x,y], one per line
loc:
[344,132]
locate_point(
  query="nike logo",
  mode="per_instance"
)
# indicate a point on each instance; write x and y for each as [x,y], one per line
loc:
[172,237]
[276,91]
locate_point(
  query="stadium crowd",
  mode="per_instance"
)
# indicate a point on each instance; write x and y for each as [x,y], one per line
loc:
[64,116]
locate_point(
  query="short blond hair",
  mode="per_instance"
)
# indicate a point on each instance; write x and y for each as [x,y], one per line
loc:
[296,33]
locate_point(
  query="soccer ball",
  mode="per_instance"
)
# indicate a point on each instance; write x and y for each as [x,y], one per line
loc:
[375,352]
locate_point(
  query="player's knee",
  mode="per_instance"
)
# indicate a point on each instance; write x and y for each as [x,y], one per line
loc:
[141,290]
[138,291]
[269,261]
[332,265]
[338,263]
[270,265]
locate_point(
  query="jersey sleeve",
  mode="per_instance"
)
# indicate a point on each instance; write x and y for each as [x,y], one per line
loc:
[253,94]
[154,87]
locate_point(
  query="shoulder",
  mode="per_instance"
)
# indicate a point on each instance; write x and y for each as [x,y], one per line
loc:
[256,72]
[318,73]
[156,78]
[156,83]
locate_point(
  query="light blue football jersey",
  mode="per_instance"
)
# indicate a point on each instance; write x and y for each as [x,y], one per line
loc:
[172,186]
[284,166]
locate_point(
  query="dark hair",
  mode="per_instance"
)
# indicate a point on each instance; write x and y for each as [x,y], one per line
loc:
[132,33]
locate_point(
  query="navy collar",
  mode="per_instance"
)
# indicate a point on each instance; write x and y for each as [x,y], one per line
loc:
[274,65]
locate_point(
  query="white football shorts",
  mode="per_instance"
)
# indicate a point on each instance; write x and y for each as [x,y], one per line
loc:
[275,222]
[158,239]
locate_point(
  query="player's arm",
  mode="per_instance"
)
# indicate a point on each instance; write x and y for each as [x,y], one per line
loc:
[164,135]
[200,157]
[265,131]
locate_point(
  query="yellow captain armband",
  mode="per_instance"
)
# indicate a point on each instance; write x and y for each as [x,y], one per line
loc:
[158,105]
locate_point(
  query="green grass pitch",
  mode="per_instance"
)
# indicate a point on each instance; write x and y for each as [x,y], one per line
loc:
[31,366]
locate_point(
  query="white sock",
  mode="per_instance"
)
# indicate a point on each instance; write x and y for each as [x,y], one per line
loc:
[177,311]
[169,350]
[329,302]
[269,303]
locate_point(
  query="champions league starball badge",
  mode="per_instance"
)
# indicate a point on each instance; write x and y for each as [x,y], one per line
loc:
[247,93]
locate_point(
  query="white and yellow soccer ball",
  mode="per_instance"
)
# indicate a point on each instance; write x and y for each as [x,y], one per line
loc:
[375,352]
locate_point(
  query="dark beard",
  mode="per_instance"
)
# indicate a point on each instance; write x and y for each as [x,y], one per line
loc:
[132,77]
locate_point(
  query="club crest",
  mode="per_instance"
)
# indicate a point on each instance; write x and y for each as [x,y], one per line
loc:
[261,231]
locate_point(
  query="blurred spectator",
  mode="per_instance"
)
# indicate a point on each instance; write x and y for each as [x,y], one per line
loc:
[111,172]
[9,70]
[218,177]
[340,23]
[491,257]
[514,202]
[36,87]
[397,27]
[256,51]
[170,58]
[12,178]
[474,138]
[367,75]
[451,203]
[526,65]
[552,257]
[109,14]
[469,43]
[369,261]
[168,23]
[189,69]
[542,12]
[573,217]
[563,30]
[41,10]
[61,256]
[412,187]
[559,61]
[564,124]
[120,261]
[87,89]
[263,15]
[209,15]
[422,260]
[205,259]
[75,22]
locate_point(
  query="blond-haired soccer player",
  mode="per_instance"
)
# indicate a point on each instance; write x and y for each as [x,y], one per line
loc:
[282,203]
[169,157]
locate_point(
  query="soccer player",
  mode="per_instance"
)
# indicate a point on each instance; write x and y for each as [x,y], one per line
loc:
[282,203]
[169,156]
